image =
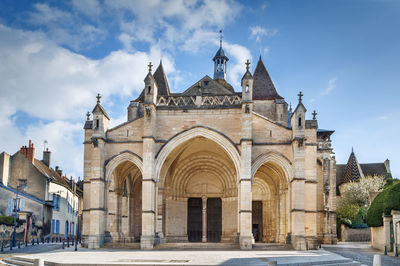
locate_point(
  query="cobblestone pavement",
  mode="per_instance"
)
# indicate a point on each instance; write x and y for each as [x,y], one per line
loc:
[362,253]
[7,253]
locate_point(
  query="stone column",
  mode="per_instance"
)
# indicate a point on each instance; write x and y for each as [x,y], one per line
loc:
[204,217]
[149,180]
[245,189]
[97,210]
[386,228]
[160,214]
[298,204]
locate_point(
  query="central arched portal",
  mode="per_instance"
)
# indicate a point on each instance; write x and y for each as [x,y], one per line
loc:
[197,193]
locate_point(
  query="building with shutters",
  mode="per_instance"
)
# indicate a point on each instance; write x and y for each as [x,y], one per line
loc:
[211,164]
[49,203]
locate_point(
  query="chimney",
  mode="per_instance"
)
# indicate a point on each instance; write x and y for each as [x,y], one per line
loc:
[59,171]
[387,165]
[29,151]
[46,157]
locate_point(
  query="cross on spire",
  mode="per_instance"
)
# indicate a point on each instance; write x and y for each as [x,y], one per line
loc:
[314,114]
[220,38]
[150,65]
[98,97]
[247,65]
[300,95]
[88,116]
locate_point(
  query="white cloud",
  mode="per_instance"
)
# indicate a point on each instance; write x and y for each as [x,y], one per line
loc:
[236,69]
[88,7]
[65,28]
[257,32]
[330,87]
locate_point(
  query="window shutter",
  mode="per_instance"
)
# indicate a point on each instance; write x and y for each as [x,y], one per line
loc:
[10,205]
[58,226]
[22,204]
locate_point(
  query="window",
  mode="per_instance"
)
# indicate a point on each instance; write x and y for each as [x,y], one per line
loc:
[56,202]
[53,225]
[247,87]
[299,121]
[149,90]
[97,123]
[10,205]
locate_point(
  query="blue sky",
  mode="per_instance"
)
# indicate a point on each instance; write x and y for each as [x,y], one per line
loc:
[56,55]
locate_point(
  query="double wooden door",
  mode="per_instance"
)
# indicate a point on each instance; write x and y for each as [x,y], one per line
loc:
[195,219]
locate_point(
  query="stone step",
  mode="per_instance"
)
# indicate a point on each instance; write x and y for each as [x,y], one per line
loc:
[122,245]
[18,261]
[271,246]
[208,245]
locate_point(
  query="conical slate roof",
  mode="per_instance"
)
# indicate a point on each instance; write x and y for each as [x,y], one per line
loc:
[352,171]
[263,87]
[161,80]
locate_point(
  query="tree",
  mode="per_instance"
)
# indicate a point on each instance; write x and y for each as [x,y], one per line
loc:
[354,199]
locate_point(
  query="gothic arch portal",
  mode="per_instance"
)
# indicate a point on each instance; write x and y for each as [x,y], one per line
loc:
[123,197]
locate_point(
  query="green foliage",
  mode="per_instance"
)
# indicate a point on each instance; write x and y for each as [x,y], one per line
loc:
[7,220]
[347,213]
[384,203]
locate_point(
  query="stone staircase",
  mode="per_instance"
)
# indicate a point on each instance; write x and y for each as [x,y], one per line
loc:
[18,261]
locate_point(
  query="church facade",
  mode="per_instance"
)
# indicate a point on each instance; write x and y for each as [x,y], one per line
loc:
[210,164]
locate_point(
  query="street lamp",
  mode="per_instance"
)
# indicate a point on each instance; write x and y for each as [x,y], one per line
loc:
[16,209]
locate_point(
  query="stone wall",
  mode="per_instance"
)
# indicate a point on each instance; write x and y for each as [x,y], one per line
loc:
[355,235]
[378,238]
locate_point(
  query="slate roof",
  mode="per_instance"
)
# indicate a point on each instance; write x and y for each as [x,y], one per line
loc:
[354,170]
[263,87]
[209,86]
[161,82]
[101,109]
[220,53]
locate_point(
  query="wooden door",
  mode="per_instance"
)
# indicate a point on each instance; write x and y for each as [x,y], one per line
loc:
[214,219]
[257,220]
[194,220]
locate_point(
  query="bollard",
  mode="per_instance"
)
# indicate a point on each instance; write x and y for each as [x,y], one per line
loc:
[37,241]
[67,243]
[38,262]
[320,245]
[33,242]
[385,251]
[19,244]
[396,254]
[26,243]
[63,245]
[11,246]
[377,260]
[76,245]
[2,246]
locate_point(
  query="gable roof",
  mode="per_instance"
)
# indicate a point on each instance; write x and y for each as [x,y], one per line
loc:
[263,87]
[100,108]
[207,85]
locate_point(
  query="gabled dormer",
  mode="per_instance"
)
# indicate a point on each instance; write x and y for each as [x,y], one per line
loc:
[150,88]
[247,84]
[101,119]
[298,119]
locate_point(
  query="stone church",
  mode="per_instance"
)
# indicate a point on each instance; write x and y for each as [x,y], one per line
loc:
[210,164]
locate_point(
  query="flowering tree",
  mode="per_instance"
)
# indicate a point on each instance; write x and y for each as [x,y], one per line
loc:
[354,199]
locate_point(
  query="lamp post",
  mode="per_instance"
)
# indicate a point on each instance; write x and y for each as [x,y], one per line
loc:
[16,211]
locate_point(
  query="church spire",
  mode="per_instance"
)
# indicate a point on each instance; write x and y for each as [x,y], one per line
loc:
[220,60]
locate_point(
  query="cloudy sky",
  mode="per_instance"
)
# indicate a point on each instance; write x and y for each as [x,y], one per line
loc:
[55,56]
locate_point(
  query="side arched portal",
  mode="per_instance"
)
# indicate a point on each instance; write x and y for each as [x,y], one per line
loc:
[124,198]
[270,197]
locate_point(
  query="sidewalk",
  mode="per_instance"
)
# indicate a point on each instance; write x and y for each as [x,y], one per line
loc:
[198,257]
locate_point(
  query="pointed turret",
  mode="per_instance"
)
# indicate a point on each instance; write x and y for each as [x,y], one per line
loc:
[220,60]
[263,88]
[353,170]
[100,119]
[161,80]
[150,88]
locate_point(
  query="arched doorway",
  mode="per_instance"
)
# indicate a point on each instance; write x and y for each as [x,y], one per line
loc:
[124,199]
[197,193]
[269,206]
